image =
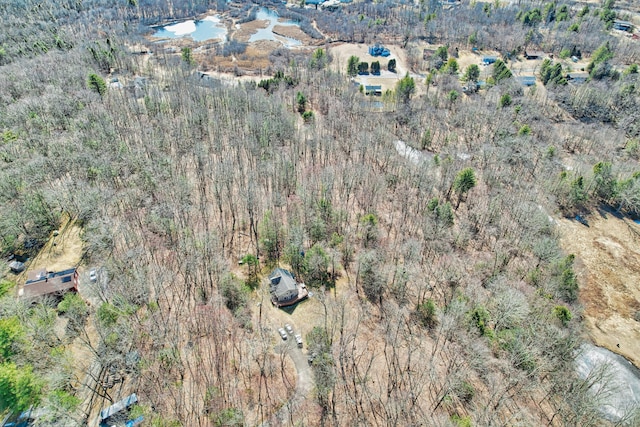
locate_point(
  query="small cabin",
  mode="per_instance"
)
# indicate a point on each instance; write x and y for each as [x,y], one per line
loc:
[576,78]
[527,80]
[534,54]
[283,285]
[622,26]
[373,90]
[45,282]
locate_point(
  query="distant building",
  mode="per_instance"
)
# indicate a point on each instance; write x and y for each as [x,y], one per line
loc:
[578,77]
[527,80]
[50,283]
[533,54]
[622,25]
[373,90]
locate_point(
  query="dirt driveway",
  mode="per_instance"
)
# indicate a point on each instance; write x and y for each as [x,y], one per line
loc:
[288,412]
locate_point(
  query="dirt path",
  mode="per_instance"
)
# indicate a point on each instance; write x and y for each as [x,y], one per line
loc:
[302,317]
[608,269]
[286,414]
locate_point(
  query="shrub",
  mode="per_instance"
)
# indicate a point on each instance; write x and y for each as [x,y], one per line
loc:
[524,130]
[562,313]
[391,66]
[568,283]
[10,332]
[505,100]
[97,84]
[307,116]
[480,319]
[465,391]
[426,313]
[6,286]
[235,296]
[108,314]
[375,67]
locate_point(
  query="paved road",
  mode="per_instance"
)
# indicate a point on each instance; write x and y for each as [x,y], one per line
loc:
[286,414]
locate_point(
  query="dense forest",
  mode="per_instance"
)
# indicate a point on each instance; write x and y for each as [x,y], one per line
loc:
[445,297]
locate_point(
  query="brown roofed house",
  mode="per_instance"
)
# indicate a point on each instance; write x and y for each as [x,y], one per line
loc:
[534,54]
[50,283]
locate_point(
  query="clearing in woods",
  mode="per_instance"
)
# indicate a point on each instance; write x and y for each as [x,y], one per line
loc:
[608,270]
[61,251]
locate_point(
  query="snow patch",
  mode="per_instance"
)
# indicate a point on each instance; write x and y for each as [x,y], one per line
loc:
[414,156]
[182,28]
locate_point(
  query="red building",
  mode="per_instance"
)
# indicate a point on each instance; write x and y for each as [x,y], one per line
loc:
[50,283]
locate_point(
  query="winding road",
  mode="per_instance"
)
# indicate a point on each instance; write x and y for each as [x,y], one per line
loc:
[285,415]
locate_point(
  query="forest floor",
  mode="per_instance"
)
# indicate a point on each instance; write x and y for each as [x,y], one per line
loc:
[608,270]
[60,252]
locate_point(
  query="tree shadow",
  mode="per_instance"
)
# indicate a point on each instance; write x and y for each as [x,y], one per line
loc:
[606,210]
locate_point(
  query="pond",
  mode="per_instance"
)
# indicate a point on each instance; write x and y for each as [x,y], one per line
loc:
[619,390]
[265,14]
[208,28]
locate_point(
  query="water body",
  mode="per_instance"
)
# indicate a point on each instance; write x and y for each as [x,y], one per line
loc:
[209,28]
[619,393]
[265,14]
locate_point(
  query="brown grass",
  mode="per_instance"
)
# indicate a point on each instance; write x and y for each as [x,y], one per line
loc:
[246,30]
[60,252]
[294,32]
[608,269]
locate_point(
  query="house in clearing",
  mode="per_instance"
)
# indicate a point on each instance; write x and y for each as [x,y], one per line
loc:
[284,288]
[373,90]
[622,25]
[577,77]
[527,80]
[44,282]
[533,54]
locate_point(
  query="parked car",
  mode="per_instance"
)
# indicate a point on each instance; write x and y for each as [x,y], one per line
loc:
[299,340]
[312,357]
[288,329]
[93,275]
[282,333]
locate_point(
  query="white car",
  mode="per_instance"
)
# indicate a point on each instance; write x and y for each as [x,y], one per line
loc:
[299,340]
[288,328]
[93,275]
[283,334]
